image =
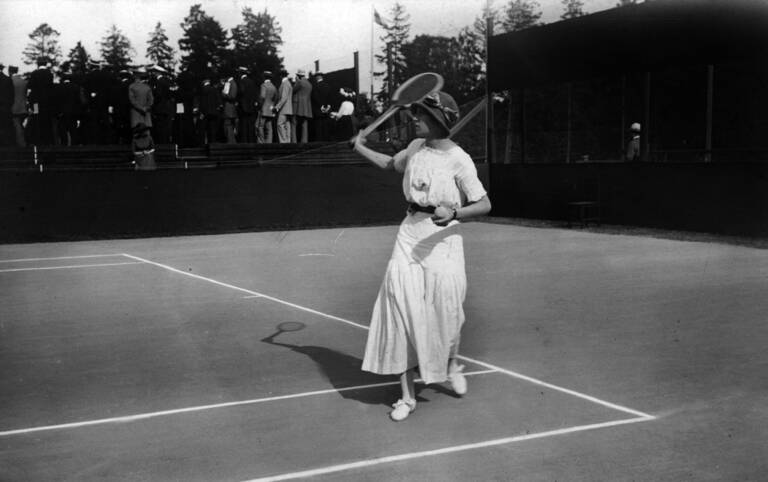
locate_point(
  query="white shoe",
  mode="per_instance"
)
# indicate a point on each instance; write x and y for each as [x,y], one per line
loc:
[402,408]
[457,380]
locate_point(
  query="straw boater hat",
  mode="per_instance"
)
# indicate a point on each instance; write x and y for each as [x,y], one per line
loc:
[441,107]
[301,73]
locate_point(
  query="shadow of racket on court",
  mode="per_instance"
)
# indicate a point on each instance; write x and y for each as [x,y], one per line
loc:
[341,370]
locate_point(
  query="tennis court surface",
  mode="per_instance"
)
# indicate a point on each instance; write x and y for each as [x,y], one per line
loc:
[591,357]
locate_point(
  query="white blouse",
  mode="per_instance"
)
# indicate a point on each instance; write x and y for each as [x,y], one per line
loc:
[432,177]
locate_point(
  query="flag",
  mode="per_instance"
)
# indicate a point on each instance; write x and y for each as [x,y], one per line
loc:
[377,19]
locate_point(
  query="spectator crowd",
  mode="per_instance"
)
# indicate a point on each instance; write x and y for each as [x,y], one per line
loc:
[103,106]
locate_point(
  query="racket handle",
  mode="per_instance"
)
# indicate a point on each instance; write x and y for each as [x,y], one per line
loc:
[383,117]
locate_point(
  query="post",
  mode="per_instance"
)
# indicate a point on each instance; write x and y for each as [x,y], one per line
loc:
[645,141]
[356,59]
[523,127]
[490,138]
[710,99]
[317,66]
[508,137]
[568,128]
[623,145]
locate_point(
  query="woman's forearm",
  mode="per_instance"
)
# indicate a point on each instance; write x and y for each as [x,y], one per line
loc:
[479,208]
[383,161]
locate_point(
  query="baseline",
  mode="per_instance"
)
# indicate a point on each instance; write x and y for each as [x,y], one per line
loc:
[96,265]
[445,450]
[21,260]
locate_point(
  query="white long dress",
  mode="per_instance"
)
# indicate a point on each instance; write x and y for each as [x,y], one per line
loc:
[418,314]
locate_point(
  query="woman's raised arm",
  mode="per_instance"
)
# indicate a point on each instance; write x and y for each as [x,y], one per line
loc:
[379,159]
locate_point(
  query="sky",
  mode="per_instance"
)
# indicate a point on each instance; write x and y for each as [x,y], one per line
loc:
[325,30]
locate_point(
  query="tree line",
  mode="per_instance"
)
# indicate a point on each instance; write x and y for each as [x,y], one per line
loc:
[205,47]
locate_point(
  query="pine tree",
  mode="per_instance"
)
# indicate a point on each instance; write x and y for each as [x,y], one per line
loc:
[573,9]
[203,44]
[44,44]
[470,58]
[397,32]
[158,50]
[256,42]
[116,49]
[78,59]
[521,14]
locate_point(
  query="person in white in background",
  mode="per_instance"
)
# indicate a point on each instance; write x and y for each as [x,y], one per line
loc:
[284,109]
[344,127]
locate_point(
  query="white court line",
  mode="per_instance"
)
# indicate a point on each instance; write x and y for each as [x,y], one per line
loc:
[250,292]
[60,257]
[144,416]
[40,268]
[446,450]
[487,365]
[249,297]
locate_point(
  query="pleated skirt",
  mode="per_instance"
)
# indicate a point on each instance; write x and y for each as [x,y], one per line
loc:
[418,313]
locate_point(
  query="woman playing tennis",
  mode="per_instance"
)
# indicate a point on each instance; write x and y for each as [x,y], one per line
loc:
[418,314]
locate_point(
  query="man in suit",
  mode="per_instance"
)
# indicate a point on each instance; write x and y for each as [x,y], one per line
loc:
[229,95]
[40,96]
[96,85]
[163,107]
[121,107]
[71,100]
[6,106]
[321,108]
[284,109]
[302,106]
[141,99]
[210,107]
[19,108]
[248,99]
[267,96]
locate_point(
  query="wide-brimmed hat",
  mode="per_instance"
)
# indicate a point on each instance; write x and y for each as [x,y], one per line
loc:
[301,73]
[442,107]
[635,127]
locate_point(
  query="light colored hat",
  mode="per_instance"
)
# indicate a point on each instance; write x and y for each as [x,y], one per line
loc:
[301,73]
[635,127]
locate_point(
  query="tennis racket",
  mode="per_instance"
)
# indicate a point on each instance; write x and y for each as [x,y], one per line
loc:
[412,90]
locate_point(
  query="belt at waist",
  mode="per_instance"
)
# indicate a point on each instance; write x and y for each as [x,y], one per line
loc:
[413,207]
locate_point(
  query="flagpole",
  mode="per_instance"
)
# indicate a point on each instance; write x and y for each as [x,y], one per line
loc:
[372,8]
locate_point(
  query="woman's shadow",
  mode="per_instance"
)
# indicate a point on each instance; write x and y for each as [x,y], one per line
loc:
[343,372]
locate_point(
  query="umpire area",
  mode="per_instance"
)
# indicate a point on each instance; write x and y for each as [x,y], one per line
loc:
[591,356]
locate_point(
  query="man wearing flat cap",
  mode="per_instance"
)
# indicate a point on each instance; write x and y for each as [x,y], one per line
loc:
[302,112]
[633,146]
